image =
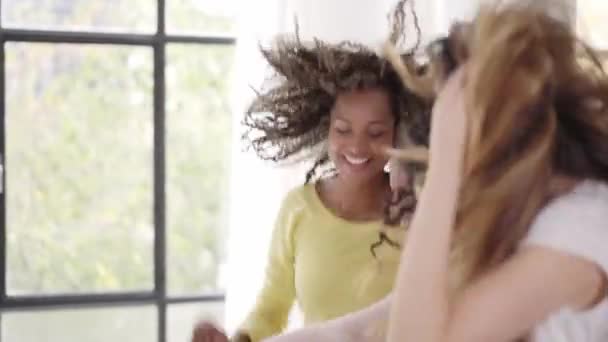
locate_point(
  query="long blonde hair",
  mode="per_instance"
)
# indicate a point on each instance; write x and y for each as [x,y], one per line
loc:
[537,106]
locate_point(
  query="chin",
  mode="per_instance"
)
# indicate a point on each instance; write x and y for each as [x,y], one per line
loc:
[359,176]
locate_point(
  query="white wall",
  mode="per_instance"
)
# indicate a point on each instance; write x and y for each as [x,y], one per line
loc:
[449,11]
[254,192]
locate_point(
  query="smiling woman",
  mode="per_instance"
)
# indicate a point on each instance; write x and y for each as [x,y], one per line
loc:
[361,122]
[336,105]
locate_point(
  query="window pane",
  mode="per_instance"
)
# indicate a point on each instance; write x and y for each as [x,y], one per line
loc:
[198,152]
[182,317]
[592,22]
[137,324]
[201,16]
[106,15]
[79,159]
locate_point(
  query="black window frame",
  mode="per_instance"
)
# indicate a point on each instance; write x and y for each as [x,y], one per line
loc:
[158,295]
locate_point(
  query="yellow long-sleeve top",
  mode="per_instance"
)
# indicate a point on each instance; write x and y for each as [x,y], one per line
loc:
[321,261]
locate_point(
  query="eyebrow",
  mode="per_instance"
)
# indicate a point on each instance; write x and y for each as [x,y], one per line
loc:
[341,118]
[372,125]
[374,122]
[379,122]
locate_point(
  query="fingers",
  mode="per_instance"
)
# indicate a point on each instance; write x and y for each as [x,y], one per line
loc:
[410,154]
[207,332]
[399,175]
[400,207]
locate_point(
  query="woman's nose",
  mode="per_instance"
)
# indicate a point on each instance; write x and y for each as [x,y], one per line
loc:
[360,145]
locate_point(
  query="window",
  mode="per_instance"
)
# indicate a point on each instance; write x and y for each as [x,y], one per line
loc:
[115,142]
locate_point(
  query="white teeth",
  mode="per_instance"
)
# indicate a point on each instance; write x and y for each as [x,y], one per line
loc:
[356,161]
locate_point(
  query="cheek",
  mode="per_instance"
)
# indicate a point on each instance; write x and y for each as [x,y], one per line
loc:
[335,145]
[337,139]
[387,140]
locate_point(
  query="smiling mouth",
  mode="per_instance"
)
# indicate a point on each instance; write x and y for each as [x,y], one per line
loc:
[355,160]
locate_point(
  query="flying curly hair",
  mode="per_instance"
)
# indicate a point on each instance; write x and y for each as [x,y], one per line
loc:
[289,119]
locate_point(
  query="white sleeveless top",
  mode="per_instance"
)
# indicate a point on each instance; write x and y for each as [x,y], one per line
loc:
[577,224]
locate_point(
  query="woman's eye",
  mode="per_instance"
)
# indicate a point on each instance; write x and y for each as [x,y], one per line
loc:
[341,130]
[376,134]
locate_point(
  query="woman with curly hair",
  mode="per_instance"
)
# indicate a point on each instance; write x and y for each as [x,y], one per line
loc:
[338,105]
[513,245]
